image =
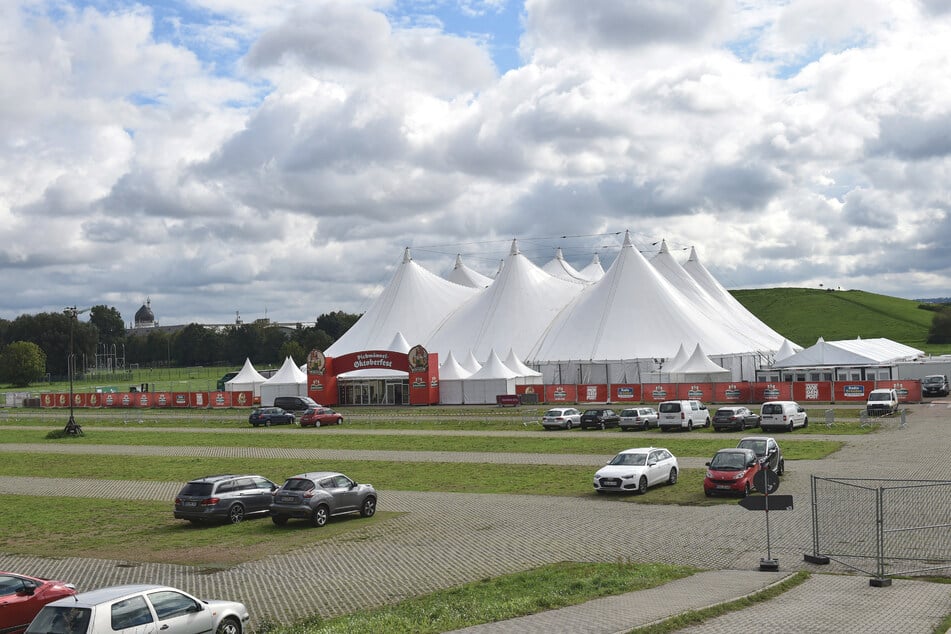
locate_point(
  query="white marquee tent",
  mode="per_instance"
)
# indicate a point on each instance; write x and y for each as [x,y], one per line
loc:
[858,352]
[247,380]
[289,380]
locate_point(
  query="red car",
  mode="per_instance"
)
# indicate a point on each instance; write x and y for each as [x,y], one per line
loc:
[21,597]
[317,416]
[731,472]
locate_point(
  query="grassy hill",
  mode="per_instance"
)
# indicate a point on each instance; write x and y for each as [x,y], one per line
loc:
[803,315]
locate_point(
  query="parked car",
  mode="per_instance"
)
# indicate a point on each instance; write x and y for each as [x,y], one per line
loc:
[638,418]
[637,469]
[882,402]
[22,596]
[295,403]
[731,471]
[934,385]
[767,450]
[268,416]
[561,418]
[734,418]
[316,496]
[782,415]
[223,498]
[317,416]
[599,418]
[682,415]
[139,609]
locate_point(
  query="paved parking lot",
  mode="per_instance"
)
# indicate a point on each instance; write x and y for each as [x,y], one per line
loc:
[442,539]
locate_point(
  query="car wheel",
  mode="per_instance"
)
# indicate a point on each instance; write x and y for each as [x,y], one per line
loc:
[368,508]
[805,422]
[782,468]
[746,490]
[228,625]
[279,520]
[601,425]
[267,423]
[689,425]
[316,424]
[642,485]
[708,493]
[320,516]
[568,425]
[707,423]
[254,424]
[235,513]
[672,478]
[790,428]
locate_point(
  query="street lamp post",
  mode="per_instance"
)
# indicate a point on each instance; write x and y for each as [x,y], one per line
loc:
[72,427]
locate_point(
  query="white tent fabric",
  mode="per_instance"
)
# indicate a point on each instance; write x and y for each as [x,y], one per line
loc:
[465,276]
[513,363]
[673,365]
[493,379]
[450,369]
[850,352]
[415,303]
[631,313]
[700,368]
[451,379]
[770,339]
[559,267]
[786,350]
[287,381]
[702,301]
[247,380]
[511,312]
[594,271]
[470,363]
[399,344]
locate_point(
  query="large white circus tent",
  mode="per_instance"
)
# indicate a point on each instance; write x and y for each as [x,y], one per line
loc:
[594,271]
[466,276]
[415,302]
[560,268]
[511,313]
[770,339]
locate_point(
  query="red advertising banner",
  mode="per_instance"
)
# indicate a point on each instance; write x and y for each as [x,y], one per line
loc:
[377,359]
[219,399]
[126,399]
[180,399]
[626,393]
[142,399]
[696,391]
[763,392]
[62,400]
[242,399]
[198,399]
[852,391]
[423,376]
[561,393]
[94,400]
[909,390]
[812,391]
[657,392]
[739,392]
[161,399]
[79,400]
[322,388]
[592,393]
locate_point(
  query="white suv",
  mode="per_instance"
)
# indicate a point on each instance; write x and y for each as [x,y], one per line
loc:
[682,415]
[782,415]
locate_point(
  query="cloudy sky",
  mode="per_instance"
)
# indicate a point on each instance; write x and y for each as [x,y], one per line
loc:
[275,158]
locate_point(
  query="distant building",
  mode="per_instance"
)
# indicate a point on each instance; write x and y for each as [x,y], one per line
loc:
[144,318]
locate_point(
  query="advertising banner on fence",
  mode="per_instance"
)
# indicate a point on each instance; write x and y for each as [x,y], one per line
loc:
[812,391]
[628,393]
[657,392]
[909,390]
[695,391]
[561,393]
[739,392]
[852,391]
[592,393]
[763,392]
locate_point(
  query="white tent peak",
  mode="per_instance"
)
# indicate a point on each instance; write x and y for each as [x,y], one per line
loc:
[399,343]
[514,250]
[406,256]
[465,276]
[289,373]
[513,363]
[451,369]
[471,364]
[785,350]
[673,365]
[627,240]
[494,369]
[693,255]
[699,362]
[560,268]
[594,271]
[663,246]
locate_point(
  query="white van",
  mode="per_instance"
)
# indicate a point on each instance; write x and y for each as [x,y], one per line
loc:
[782,415]
[682,415]
[881,402]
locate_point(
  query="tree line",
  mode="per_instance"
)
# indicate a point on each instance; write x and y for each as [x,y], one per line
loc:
[32,346]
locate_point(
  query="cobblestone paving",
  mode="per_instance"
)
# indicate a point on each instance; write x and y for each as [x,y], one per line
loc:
[444,539]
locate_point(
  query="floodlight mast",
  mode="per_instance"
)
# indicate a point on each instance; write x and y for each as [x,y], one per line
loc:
[72,427]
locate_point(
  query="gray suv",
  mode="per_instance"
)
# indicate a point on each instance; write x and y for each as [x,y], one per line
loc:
[223,498]
[317,495]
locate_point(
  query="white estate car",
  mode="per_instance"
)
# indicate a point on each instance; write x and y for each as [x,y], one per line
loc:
[138,609]
[637,469]
[561,418]
[638,418]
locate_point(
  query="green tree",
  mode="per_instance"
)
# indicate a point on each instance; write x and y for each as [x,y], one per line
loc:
[22,363]
[109,323]
[294,350]
[940,331]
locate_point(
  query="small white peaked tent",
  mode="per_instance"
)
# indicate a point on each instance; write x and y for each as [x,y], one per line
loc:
[674,364]
[786,350]
[288,381]
[850,352]
[470,363]
[526,375]
[511,312]
[493,379]
[594,271]
[699,368]
[451,377]
[559,267]
[414,303]
[465,276]
[247,380]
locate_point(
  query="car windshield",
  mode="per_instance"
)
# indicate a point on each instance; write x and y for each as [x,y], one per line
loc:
[670,407]
[772,409]
[629,412]
[937,380]
[731,461]
[592,412]
[725,412]
[758,446]
[553,412]
[298,484]
[882,396]
[630,459]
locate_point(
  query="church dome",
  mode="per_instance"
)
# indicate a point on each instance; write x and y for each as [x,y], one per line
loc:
[144,315]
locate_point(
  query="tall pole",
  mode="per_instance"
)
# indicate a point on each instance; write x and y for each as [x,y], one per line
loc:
[71,426]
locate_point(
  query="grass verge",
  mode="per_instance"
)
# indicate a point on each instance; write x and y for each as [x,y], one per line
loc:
[500,598]
[696,617]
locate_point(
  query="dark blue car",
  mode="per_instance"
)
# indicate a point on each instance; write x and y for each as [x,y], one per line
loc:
[268,416]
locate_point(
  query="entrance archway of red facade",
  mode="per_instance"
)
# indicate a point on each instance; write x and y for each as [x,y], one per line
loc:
[421,366]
